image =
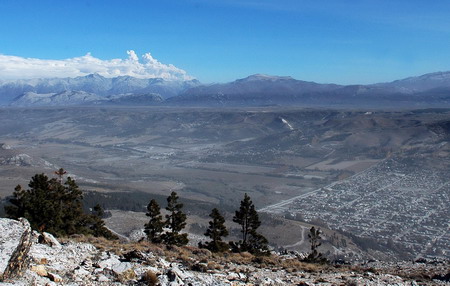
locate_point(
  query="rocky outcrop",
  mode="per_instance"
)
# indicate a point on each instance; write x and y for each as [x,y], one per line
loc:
[15,243]
[76,263]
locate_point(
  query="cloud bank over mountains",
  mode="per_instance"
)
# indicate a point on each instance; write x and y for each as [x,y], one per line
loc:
[14,67]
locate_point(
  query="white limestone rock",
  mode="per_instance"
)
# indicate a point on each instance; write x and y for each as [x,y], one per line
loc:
[15,242]
[11,231]
[50,240]
[103,278]
[121,267]
[137,235]
[109,263]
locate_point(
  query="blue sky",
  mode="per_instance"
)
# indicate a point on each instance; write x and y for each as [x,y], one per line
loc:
[344,42]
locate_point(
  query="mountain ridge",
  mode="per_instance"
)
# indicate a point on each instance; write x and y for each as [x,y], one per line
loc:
[426,90]
[253,90]
[96,84]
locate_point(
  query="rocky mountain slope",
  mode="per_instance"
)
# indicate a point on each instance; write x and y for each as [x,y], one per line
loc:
[43,260]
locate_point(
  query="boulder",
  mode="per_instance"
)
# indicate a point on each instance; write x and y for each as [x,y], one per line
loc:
[124,271]
[49,239]
[81,272]
[39,270]
[172,276]
[109,263]
[102,278]
[54,277]
[15,243]
[135,256]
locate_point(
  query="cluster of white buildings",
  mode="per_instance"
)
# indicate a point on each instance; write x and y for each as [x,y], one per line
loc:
[398,199]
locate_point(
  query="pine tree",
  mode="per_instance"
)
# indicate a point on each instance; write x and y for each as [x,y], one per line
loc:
[248,218]
[98,211]
[52,206]
[60,173]
[18,203]
[154,227]
[175,222]
[258,244]
[71,198]
[42,204]
[216,231]
[97,225]
[315,241]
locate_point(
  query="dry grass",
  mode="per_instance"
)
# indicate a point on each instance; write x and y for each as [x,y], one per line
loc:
[115,246]
[214,265]
[150,278]
[191,256]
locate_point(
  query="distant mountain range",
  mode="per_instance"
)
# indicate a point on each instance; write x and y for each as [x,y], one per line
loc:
[256,90]
[84,98]
[426,90]
[90,89]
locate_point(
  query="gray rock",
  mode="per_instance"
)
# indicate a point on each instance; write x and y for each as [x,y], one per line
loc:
[49,239]
[102,278]
[121,267]
[109,263]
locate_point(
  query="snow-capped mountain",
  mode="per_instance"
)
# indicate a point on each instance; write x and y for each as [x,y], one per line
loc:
[53,99]
[92,84]
[427,90]
[70,98]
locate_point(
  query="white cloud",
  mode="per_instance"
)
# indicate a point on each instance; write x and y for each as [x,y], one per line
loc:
[13,67]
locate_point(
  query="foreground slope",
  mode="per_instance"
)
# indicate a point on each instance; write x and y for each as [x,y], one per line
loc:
[105,263]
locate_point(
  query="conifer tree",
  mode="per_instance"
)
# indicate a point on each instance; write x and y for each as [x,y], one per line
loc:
[315,241]
[60,173]
[248,218]
[73,217]
[52,206]
[216,231]
[175,222]
[44,205]
[18,203]
[97,225]
[98,211]
[154,227]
